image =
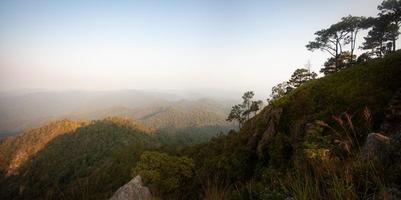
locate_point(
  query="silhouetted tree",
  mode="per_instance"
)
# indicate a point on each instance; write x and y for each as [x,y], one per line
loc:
[391,10]
[329,40]
[381,37]
[255,106]
[352,25]
[342,61]
[300,76]
[247,102]
[236,115]
[363,57]
[279,91]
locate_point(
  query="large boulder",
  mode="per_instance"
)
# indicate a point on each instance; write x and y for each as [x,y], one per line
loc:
[133,190]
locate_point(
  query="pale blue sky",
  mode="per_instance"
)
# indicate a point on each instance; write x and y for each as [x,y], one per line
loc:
[102,45]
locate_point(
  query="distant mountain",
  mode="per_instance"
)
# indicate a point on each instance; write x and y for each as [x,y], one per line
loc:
[22,110]
[177,115]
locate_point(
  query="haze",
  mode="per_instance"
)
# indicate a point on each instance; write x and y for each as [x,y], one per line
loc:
[163,45]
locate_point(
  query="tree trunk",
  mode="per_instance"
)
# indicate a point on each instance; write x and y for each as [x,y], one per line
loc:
[336,58]
[394,40]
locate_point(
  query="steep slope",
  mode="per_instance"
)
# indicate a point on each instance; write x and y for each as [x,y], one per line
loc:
[94,159]
[310,136]
[15,151]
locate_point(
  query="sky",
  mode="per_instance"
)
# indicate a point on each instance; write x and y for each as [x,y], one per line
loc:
[231,45]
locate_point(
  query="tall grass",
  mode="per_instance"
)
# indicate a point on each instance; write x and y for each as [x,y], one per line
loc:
[345,176]
[214,189]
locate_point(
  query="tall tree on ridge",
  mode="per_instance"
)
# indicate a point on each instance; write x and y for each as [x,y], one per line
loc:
[329,40]
[300,76]
[247,102]
[255,106]
[381,37]
[236,114]
[352,25]
[392,9]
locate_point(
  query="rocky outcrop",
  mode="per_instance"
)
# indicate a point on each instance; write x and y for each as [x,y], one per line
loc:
[259,141]
[392,121]
[133,190]
[376,143]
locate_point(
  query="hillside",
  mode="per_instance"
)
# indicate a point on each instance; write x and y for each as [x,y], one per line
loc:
[67,157]
[15,151]
[310,144]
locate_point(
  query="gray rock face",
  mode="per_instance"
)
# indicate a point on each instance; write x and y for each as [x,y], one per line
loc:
[133,190]
[390,131]
[375,143]
[259,141]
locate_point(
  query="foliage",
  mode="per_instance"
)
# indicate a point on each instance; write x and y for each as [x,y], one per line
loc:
[279,91]
[241,112]
[163,173]
[333,65]
[381,38]
[300,76]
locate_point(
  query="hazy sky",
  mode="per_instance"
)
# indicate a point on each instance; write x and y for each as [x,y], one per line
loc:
[166,44]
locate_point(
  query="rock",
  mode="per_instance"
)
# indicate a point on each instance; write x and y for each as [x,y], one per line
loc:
[259,141]
[133,190]
[390,136]
[375,143]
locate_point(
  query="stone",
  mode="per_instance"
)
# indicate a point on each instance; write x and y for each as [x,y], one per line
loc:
[375,143]
[133,190]
[259,141]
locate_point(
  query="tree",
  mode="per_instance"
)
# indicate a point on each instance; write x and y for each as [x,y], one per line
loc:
[381,37]
[363,58]
[300,76]
[391,9]
[255,106]
[279,91]
[352,25]
[247,101]
[343,60]
[236,114]
[241,112]
[329,40]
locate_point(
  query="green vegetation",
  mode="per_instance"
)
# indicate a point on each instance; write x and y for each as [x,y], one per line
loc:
[85,160]
[242,112]
[163,173]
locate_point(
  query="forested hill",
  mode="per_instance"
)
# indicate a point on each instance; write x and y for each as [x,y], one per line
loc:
[178,115]
[75,156]
[155,109]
